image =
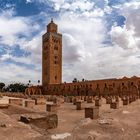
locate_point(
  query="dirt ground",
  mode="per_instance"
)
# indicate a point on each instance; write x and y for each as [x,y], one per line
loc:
[113,124]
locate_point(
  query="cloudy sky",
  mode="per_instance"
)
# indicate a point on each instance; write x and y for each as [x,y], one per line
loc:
[101,38]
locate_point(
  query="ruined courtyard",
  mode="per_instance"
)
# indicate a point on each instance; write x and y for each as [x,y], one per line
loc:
[118,122]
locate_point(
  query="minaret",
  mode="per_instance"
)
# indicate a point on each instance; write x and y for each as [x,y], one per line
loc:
[51,55]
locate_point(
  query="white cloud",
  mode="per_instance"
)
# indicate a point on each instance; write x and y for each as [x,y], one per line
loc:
[5,57]
[94,14]
[14,26]
[123,37]
[10,31]
[90,59]
[11,27]
[128,36]
[57,4]
[107,9]
[82,5]
[13,73]
[28,1]
[84,31]
[71,51]
[81,39]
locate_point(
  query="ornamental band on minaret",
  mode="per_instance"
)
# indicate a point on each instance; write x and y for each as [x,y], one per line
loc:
[51,55]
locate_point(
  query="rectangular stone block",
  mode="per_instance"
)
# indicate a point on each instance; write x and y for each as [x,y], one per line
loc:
[114,105]
[117,99]
[55,100]
[40,101]
[29,103]
[3,106]
[130,100]
[92,112]
[61,100]
[82,98]
[108,101]
[66,99]
[40,120]
[51,108]
[70,99]
[16,101]
[98,102]
[85,98]
[125,101]
[89,100]
[79,105]
[134,98]
[74,101]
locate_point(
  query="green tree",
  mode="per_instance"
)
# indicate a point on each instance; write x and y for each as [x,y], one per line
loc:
[16,87]
[74,80]
[83,80]
[38,82]
[2,85]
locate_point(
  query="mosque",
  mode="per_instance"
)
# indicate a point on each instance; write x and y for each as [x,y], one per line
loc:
[52,74]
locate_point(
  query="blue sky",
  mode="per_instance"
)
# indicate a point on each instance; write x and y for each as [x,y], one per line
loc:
[101,38]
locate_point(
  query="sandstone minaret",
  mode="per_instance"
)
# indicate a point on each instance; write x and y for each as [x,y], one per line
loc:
[51,55]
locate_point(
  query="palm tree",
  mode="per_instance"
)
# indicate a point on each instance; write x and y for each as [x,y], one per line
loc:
[38,82]
[74,80]
[2,85]
[29,82]
[83,80]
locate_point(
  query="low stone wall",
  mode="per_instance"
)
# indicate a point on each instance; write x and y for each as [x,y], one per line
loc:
[16,101]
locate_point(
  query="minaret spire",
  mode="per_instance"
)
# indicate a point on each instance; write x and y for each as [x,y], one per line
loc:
[51,20]
[52,27]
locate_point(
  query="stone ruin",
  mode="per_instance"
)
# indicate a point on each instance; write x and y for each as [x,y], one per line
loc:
[91,105]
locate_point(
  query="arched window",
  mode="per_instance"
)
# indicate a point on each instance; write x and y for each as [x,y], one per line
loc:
[132,83]
[113,84]
[55,62]
[55,77]
[55,47]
